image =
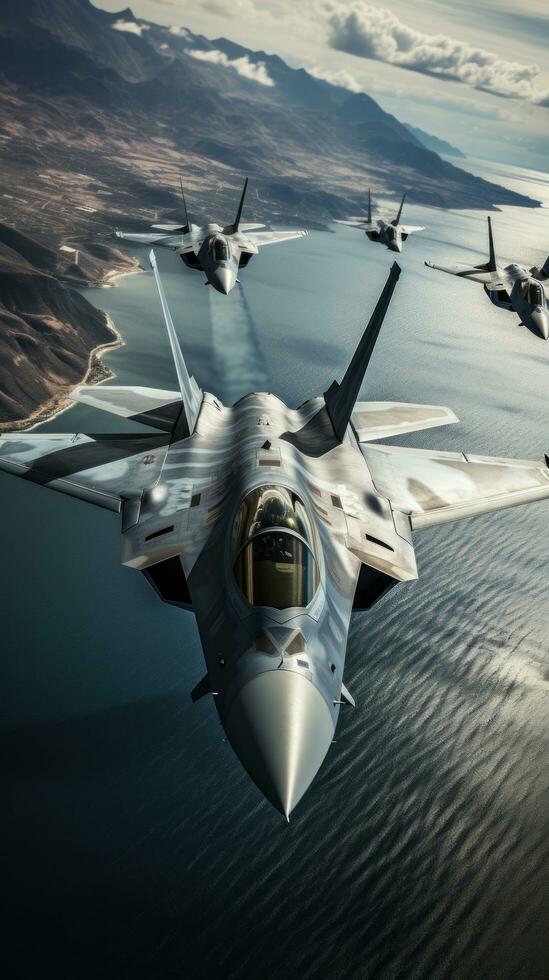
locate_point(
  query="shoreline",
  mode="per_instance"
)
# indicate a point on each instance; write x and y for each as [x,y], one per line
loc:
[96,372]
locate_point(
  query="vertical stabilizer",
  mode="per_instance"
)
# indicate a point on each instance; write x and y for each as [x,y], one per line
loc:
[230,229]
[491,264]
[398,217]
[190,392]
[340,399]
[187,227]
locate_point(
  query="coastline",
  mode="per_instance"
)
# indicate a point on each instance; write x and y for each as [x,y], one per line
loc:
[96,372]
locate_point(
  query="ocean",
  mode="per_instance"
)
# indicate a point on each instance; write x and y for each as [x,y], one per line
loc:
[134,843]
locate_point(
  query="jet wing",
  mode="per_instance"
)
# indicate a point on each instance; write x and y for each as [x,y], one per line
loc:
[408,229]
[438,487]
[101,469]
[379,420]
[189,242]
[476,273]
[261,238]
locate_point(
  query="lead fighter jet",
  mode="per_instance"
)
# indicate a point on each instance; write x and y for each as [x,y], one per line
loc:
[219,252]
[272,525]
[389,233]
[511,288]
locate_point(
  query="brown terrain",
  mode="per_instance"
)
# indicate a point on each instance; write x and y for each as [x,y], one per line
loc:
[95,127]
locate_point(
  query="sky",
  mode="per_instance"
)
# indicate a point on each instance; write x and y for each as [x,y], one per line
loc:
[473,72]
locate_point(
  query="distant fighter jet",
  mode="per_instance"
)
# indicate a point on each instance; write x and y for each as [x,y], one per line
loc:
[271,524]
[392,233]
[219,252]
[511,288]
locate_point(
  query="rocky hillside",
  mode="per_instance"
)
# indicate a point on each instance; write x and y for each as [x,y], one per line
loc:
[47,331]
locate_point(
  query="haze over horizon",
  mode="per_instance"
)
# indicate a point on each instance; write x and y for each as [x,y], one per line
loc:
[472,74]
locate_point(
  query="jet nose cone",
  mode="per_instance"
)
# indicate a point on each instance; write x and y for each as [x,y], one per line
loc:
[281,729]
[395,247]
[223,280]
[540,321]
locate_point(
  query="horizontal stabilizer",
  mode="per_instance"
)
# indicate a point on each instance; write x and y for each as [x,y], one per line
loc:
[171,228]
[150,406]
[203,688]
[541,274]
[379,420]
[251,226]
[439,487]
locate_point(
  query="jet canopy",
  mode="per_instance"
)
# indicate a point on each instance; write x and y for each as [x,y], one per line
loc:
[220,249]
[533,293]
[272,546]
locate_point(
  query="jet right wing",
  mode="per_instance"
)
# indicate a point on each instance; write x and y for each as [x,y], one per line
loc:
[354,222]
[476,273]
[439,487]
[261,238]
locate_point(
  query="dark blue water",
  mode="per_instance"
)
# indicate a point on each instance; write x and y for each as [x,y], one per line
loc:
[134,844]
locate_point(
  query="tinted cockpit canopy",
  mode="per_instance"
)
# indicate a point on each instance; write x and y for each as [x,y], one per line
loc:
[272,546]
[221,249]
[533,292]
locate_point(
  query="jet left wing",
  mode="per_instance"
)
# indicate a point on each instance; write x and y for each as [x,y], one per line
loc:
[189,242]
[104,470]
[261,238]
[438,487]
[475,273]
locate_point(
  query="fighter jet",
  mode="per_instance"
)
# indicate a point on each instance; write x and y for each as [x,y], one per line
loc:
[272,525]
[392,233]
[219,252]
[511,288]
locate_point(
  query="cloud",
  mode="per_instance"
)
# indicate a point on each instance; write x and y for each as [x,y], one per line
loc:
[339,77]
[130,27]
[179,31]
[254,71]
[230,8]
[370,32]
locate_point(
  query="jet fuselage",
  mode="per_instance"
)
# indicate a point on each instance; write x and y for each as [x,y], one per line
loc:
[524,295]
[263,534]
[389,234]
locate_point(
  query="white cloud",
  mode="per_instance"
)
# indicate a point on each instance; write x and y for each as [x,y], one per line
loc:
[179,31]
[130,27]
[254,71]
[230,8]
[370,32]
[339,77]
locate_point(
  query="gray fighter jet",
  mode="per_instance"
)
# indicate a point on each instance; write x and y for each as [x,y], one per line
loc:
[219,252]
[272,525]
[389,233]
[511,288]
